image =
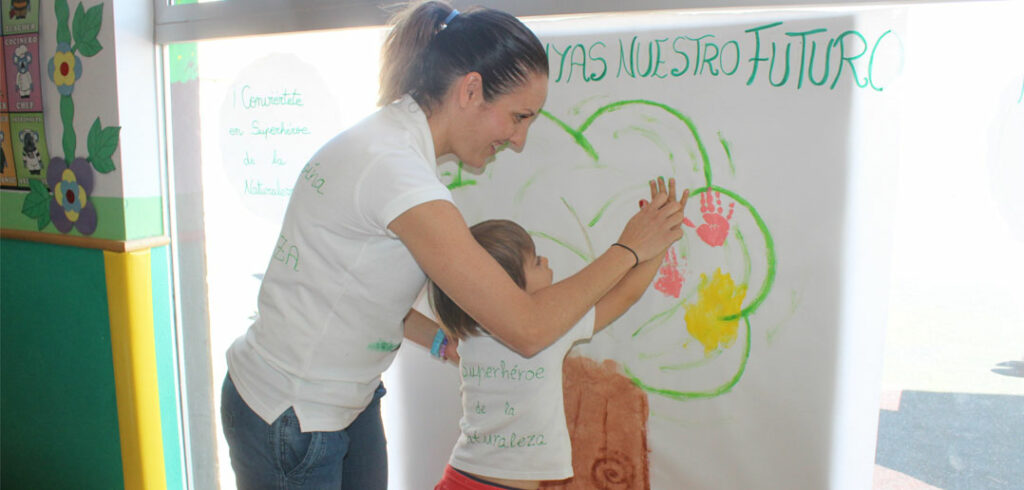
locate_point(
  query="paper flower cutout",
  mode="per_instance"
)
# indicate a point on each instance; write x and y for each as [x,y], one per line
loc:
[65,69]
[71,207]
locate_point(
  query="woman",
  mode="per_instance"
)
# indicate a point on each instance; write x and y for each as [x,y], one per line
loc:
[300,404]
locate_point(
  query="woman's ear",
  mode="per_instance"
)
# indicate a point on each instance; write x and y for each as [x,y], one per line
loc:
[470,89]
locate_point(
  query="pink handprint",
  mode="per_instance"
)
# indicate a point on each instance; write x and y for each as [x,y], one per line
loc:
[670,279]
[715,227]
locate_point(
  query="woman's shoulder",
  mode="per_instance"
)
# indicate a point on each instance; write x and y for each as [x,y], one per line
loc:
[391,130]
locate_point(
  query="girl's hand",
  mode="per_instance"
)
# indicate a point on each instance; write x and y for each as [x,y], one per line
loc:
[451,351]
[657,225]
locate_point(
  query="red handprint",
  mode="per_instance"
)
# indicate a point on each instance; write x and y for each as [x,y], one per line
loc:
[715,227]
[670,278]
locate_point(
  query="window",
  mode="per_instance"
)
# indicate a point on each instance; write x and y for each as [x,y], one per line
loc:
[240,72]
[264,105]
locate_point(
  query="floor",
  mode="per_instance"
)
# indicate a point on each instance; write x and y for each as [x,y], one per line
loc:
[945,440]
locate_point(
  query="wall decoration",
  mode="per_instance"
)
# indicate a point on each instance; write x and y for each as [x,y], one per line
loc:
[20,16]
[70,177]
[28,145]
[8,176]
[735,339]
[22,136]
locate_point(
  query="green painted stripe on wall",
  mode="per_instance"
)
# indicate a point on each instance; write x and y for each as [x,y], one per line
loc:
[164,338]
[57,392]
[117,218]
[109,221]
[144,217]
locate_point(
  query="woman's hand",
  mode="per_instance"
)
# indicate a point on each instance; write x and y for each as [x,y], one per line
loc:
[657,225]
[671,194]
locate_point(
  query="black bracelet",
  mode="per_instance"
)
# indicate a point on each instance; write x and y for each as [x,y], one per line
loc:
[635,256]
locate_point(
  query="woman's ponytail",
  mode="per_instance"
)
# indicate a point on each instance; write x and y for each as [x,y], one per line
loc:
[423,56]
[412,30]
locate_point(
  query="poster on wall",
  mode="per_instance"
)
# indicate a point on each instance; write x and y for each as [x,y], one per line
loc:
[279,110]
[3,85]
[22,135]
[728,360]
[20,16]
[24,87]
[31,155]
[8,176]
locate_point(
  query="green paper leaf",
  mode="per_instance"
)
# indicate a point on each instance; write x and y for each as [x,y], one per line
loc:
[109,139]
[43,220]
[60,8]
[37,203]
[89,48]
[78,23]
[102,143]
[94,16]
[86,26]
[102,165]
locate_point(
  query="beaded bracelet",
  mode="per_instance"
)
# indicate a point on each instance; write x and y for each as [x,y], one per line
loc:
[440,342]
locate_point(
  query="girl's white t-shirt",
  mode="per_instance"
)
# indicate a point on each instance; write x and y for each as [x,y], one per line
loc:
[339,283]
[513,423]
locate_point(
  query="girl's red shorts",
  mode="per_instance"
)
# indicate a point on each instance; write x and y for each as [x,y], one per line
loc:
[455,480]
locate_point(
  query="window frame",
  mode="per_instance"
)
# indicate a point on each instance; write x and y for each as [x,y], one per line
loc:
[230,18]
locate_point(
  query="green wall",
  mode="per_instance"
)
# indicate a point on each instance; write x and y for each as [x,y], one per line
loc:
[59,405]
[59,410]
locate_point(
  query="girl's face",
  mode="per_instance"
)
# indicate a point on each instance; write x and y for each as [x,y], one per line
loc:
[490,126]
[538,274]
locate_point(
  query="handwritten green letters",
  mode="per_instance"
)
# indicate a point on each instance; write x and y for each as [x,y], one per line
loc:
[501,372]
[767,54]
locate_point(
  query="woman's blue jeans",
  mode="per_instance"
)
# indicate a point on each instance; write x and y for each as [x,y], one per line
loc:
[279,456]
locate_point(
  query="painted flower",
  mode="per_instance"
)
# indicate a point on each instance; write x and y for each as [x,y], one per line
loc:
[714,319]
[71,207]
[65,69]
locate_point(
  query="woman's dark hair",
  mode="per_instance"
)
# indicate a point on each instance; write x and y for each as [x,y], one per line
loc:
[422,55]
[509,244]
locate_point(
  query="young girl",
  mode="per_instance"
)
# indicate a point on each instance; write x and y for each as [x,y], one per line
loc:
[514,433]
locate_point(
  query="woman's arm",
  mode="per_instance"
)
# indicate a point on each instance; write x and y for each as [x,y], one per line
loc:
[437,236]
[629,290]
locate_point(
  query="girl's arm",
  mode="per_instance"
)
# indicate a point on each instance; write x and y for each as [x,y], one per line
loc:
[421,330]
[629,290]
[437,236]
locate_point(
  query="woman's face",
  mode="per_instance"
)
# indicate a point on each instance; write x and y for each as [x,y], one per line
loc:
[490,126]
